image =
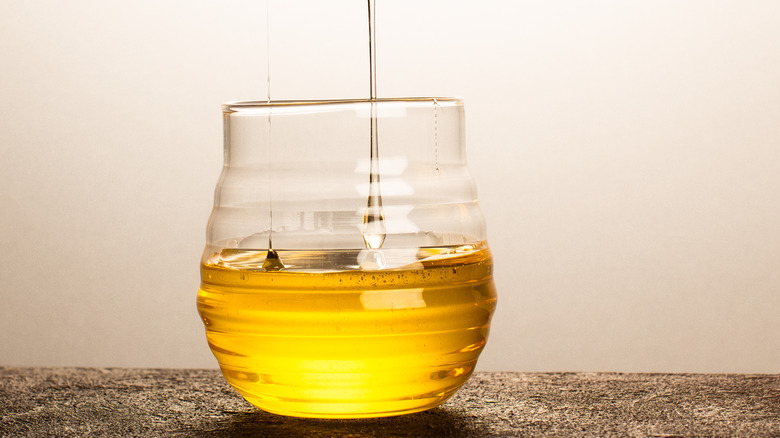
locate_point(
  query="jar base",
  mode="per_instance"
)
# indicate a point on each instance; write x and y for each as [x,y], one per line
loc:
[347,410]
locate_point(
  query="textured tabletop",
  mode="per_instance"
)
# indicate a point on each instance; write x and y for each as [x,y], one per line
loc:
[177,402]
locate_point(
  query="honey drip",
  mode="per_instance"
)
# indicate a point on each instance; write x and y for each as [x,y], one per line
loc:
[374,229]
[272,260]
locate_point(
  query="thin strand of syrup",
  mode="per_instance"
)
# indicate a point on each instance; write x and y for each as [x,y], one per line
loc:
[436,133]
[374,230]
[272,260]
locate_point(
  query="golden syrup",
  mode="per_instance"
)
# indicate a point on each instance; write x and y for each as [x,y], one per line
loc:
[351,343]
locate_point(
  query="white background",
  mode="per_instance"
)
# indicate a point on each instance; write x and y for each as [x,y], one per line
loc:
[627,156]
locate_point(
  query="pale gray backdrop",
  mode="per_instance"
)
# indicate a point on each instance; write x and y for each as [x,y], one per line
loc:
[627,156]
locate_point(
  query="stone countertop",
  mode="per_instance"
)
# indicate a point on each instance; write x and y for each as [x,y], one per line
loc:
[199,403]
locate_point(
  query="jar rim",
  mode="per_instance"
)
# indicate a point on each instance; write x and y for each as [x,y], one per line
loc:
[239,105]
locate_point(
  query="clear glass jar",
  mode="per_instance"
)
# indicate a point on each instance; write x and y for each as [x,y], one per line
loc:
[343,282]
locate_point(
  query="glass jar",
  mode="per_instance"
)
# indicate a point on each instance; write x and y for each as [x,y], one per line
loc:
[346,272]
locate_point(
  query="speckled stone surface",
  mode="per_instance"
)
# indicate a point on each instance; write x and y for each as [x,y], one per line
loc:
[199,403]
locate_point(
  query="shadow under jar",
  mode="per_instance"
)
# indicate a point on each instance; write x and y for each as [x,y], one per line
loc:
[321,302]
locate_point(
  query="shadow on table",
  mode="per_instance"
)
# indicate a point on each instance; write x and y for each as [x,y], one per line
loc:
[436,422]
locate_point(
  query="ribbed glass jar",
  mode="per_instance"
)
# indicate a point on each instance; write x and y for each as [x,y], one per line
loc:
[318,301]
